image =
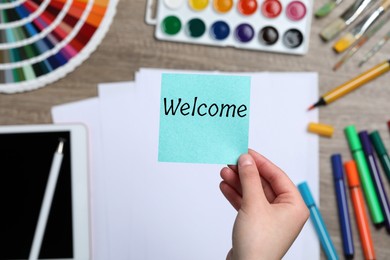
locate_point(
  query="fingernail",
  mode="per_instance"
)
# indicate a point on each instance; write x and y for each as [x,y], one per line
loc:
[245,160]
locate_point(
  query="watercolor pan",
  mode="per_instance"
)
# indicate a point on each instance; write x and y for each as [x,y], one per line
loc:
[43,40]
[269,25]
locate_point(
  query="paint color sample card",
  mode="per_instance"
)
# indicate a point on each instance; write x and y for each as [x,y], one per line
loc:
[267,25]
[203,118]
[43,40]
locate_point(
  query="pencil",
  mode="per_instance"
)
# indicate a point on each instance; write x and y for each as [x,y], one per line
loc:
[353,84]
[46,203]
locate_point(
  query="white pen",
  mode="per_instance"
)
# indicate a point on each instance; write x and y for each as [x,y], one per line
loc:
[47,200]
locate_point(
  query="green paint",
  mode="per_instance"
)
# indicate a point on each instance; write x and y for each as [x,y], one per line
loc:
[196,28]
[171,25]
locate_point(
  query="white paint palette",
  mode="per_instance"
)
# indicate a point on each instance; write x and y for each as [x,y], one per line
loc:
[269,25]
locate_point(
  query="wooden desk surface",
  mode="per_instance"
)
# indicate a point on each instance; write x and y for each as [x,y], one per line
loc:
[130,44]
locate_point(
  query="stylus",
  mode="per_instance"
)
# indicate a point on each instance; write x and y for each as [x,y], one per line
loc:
[47,200]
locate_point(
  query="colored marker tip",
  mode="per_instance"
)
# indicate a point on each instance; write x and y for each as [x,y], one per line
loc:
[311,107]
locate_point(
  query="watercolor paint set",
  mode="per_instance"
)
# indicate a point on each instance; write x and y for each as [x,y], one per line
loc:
[43,40]
[264,25]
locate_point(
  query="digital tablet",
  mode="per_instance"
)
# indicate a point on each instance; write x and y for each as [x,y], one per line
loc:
[34,158]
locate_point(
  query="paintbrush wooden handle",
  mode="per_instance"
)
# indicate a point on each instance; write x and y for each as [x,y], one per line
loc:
[385,4]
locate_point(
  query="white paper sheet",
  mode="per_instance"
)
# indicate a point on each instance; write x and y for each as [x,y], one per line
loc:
[179,212]
[87,113]
[145,210]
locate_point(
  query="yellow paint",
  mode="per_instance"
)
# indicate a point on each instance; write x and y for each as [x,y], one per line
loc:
[198,5]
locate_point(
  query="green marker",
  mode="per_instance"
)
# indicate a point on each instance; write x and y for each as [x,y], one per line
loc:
[364,173]
[381,152]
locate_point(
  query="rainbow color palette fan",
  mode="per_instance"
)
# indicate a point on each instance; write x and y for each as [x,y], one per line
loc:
[43,40]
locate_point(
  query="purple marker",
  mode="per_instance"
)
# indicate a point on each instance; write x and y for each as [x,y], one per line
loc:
[244,32]
[372,165]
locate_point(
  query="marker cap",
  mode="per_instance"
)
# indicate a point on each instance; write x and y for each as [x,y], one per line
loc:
[306,194]
[337,166]
[352,174]
[377,142]
[321,129]
[366,143]
[353,138]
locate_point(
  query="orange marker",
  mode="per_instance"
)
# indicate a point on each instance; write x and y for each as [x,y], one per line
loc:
[360,210]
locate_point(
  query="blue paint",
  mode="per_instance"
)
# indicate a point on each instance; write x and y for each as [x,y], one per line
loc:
[220,30]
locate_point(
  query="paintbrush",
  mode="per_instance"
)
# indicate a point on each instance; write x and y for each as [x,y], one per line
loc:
[349,16]
[375,49]
[327,8]
[358,31]
[362,41]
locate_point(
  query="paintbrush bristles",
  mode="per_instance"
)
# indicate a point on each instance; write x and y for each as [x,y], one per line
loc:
[344,43]
[331,31]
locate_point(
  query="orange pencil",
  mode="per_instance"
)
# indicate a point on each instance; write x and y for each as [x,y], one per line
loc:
[353,84]
[360,210]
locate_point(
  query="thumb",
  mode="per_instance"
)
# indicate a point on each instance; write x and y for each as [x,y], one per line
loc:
[252,190]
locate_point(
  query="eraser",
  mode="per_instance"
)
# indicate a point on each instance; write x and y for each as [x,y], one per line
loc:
[321,129]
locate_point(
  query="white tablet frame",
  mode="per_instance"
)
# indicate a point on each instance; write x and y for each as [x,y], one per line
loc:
[79,181]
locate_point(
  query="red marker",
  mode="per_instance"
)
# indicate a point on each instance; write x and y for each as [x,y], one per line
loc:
[360,210]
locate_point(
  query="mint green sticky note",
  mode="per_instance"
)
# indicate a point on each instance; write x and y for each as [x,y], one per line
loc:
[203,118]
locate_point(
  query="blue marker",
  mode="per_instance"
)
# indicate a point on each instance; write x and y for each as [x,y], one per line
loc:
[341,195]
[319,224]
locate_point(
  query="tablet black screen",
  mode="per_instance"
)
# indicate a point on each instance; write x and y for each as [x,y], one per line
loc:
[25,161]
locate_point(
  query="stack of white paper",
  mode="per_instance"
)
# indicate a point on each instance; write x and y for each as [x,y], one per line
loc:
[143,209]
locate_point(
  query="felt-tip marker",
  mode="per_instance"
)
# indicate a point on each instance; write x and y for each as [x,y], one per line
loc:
[360,210]
[318,222]
[342,205]
[365,175]
[373,166]
[381,152]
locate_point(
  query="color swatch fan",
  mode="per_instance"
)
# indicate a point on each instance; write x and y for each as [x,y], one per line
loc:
[43,40]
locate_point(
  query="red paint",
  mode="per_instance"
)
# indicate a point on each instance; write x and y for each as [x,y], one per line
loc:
[247,7]
[271,8]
